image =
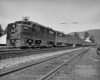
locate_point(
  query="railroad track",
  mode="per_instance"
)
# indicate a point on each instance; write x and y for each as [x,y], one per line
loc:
[52,73]
[47,76]
[19,52]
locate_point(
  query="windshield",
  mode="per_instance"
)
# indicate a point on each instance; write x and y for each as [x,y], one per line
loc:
[27,23]
[19,22]
[23,22]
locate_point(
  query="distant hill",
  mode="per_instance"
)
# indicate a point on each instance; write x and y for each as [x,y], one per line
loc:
[94,32]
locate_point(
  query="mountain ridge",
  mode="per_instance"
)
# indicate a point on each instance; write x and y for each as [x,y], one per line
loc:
[94,32]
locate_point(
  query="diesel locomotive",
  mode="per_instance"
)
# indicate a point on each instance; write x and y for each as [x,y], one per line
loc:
[25,33]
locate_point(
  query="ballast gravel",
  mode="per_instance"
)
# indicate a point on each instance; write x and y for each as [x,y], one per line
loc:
[12,62]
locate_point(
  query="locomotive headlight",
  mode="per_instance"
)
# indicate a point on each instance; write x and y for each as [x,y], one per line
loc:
[13,25]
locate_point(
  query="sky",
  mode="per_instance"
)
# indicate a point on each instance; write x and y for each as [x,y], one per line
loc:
[77,15]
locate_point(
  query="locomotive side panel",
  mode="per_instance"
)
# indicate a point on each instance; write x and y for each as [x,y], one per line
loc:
[61,39]
[72,41]
[43,35]
[50,37]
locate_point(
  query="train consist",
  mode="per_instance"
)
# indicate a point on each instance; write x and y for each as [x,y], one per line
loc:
[27,33]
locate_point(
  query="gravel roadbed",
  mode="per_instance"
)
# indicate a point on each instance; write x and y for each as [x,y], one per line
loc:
[12,62]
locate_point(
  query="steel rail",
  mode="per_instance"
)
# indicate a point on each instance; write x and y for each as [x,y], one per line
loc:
[54,71]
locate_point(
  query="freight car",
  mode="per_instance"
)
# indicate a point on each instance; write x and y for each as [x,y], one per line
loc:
[25,33]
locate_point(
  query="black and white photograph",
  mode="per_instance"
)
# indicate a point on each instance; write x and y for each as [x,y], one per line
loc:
[49,39]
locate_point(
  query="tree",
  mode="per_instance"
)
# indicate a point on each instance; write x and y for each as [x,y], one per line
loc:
[76,35]
[92,39]
[1,31]
[86,35]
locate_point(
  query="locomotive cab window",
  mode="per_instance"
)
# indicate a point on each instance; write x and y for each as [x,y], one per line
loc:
[27,23]
[19,22]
